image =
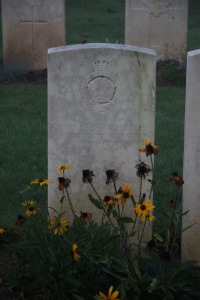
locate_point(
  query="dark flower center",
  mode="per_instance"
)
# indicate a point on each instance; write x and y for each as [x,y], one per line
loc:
[126,195]
[143,207]
[109,173]
[61,179]
[86,173]
[107,198]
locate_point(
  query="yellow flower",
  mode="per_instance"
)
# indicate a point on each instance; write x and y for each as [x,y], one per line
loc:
[30,212]
[111,295]
[124,193]
[150,218]
[110,200]
[62,168]
[144,208]
[41,182]
[75,255]
[58,225]
[2,230]
[149,149]
[29,203]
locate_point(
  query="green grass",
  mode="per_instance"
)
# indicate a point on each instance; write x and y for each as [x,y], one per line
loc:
[23,107]
[193,37]
[169,134]
[23,139]
[99,20]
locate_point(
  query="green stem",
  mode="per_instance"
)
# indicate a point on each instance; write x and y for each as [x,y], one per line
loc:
[133,226]
[115,187]
[96,263]
[70,203]
[142,234]
[102,205]
[140,189]
[152,165]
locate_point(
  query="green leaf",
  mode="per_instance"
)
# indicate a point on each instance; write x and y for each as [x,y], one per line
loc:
[153,285]
[115,214]
[158,237]
[109,209]
[61,200]
[95,202]
[126,220]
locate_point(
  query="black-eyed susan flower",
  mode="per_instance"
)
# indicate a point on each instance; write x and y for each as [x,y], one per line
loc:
[142,170]
[29,203]
[58,225]
[30,212]
[150,218]
[178,180]
[171,204]
[2,230]
[41,182]
[20,220]
[149,149]
[63,183]
[86,216]
[112,176]
[111,295]
[75,255]
[124,193]
[144,208]
[87,176]
[62,168]
[109,200]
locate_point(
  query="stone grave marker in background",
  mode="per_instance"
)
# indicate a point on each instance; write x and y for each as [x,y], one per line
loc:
[30,27]
[191,173]
[158,24]
[101,108]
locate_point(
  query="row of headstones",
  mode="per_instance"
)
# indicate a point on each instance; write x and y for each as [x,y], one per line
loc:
[102,96]
[30,27]
[101,108]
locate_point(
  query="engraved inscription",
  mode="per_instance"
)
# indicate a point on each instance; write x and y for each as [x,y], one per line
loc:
[157,7]
[101,86]
[33,21]
[113,134]
[101,90]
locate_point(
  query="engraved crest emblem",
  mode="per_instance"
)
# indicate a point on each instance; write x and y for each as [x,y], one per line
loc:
[100,86]
[157,7]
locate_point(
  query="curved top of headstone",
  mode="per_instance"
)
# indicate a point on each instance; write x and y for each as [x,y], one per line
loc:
[193,52]
[102,46]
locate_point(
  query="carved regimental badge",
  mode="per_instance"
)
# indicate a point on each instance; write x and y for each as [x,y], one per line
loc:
[101,87]
[157,7]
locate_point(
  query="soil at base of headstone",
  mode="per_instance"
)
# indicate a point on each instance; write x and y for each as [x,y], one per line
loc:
[168,73]
[32,77]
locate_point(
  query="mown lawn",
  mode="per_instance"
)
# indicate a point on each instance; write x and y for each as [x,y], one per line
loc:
[23,109]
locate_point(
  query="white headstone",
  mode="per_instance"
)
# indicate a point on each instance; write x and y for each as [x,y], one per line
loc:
[191,173]
[101,108]
[30,27]
[159,25]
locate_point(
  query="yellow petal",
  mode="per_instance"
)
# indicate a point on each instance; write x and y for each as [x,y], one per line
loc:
[103,296]
[114,295]
[110,291]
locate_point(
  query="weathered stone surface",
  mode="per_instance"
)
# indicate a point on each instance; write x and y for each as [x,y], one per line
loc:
[101,108]
[159,25]
[191,187]
[30,27]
